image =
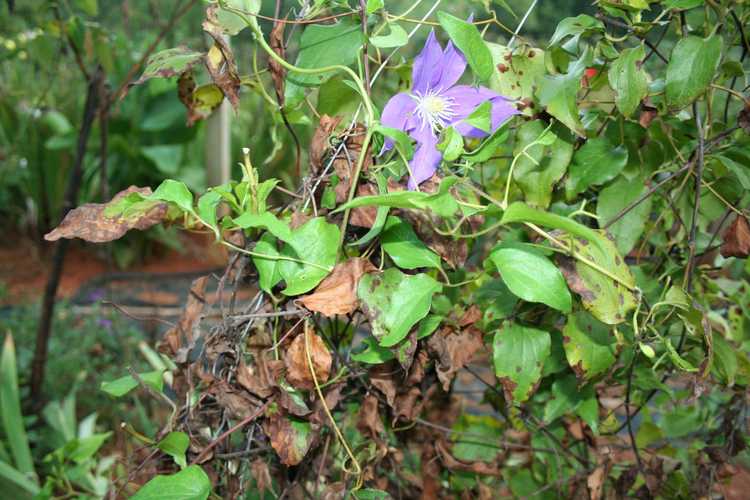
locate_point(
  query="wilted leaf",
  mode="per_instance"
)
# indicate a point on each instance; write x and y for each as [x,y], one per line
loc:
[102,222]
[290,437]
[278,73]
[337,293]
[223,69]
[297,369]
[453,349]
[178,339]
[395,302]
[736,239]
[369,422]
[519,354]
[169,62]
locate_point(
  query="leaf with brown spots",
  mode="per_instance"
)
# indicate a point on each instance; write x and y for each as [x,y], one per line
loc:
[168,63]
[519,354]
[736,239]
[290,437]
[103,222]
[337,293]
[453,349]
[297,370]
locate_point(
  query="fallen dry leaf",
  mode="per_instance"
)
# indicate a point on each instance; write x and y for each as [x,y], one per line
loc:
[260,378]
[337,293]
[181,335]
[736,239]
[234,399]
[297,370]
[90,223]
[369,422]
[453,349]
[291,444]
[320,141]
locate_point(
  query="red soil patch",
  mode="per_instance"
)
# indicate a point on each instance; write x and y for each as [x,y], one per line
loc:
[24,265]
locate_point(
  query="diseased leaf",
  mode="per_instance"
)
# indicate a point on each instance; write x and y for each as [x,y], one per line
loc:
[590,346]
[519,353]
[517,74]
[337,293]
[691,69]
[395,302]
[468,40]
[102,222]
[532,277]
[401,243]
[453,349]
[597,162]
[297,369]
[289,436]
[221,18]
[629,79]
[190,483]
[168,63]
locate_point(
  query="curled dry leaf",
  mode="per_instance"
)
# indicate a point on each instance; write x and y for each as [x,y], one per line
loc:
[291,438]
[278,73]
[102,222]
[736,239]
[452,463]
[223,69]
[369,422]
[320,141]
[337,294]
[182,335]
[297,371]
[262,474]
[239,403]
[364,216]
[453,350]
[260,378]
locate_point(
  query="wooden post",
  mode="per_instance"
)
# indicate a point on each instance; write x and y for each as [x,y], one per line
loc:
[218,145]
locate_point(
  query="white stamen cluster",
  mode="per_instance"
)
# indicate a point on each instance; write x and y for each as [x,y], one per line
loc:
[433,109]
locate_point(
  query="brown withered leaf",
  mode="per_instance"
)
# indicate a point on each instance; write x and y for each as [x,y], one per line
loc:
[223,69]
[337,293]
[290,438]
[278,73]
[102,222]
[185,89]
[261,473]
[239,403]
[182,334]
[333,397]
[260,378]
[736,239]
[453,349]
[648,113]
[595,482]
[369,422]
[743,118]
[408,404]
[320,141]
[199,102]
[364,216]
[383,378]
[470,316]
[430,469]
[297,370]
[452,463]
[346,161]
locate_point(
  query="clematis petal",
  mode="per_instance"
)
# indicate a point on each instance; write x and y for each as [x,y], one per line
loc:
[452,67]
[425,161]
[465,101]
[397,113]
[427,65]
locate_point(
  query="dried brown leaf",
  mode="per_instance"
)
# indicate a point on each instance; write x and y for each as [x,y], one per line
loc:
[291,444]
[453,350]
[743,118]
[320,141]
[278,73]
[182,334]
[223,69]
[90,223]
[452,463]
[258,378]
[369,422]
[262,474]
[736,239]
[234,399]
[595,482]
[297,370]
[383,378]
[337,293]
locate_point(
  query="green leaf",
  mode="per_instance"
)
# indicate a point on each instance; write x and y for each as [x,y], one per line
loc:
[517,73]
[268,269]
[480,118]
[86,448]
[466,37]
[428,325]
[174,192]
[166,157]
[121,386]
[323,45]
[541,166]
[230,23]
[371,494]
[474,438]
[590,345]
[629,79]
[691,68]
[519,354]
[597,162]
[605,298]
[10,411]
[532,277]
[401,243]
[207,210]
[175,444]
[558,93]
[740,172]
[452,144]
[265,220]
[190,483]
[401,139]
[373,354]
[315,242]
[441,203]
[682,4]
[169,62]
[628,229]
[380,217]
[374,5]
[395,302]
[565,398]
[396,38]
[575,27]
[18,478]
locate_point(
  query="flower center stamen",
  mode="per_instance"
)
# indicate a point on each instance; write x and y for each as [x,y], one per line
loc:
[433,109]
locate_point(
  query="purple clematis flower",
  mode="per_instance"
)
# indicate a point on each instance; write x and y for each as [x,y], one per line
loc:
[436,102]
